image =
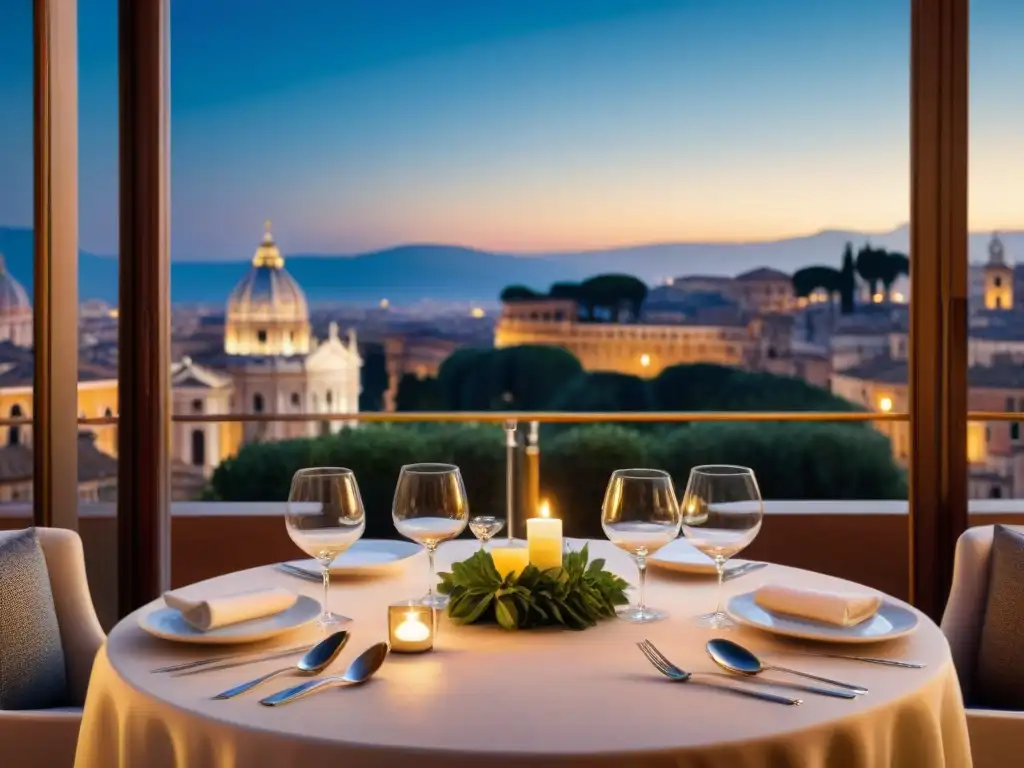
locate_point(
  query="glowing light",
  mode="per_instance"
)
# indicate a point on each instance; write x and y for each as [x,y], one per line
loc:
[544,510]
[899,297]
[477,312]
[885,404]
[412,630]
[878,298]
[384,303]
[645,360]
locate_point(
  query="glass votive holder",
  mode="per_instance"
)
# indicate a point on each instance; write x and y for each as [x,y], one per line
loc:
[510,557]
[411,627]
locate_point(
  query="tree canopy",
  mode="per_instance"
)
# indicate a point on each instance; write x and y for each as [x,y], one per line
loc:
[809,279]
[609,296]
[526,377]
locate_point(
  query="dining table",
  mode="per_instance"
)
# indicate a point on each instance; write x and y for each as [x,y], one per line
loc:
[485,696]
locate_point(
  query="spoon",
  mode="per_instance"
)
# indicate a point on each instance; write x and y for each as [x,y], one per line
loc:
[316,660]
[736,658]
[359,671]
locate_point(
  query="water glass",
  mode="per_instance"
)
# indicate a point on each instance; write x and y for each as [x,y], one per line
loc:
[640,515]
[722,514]
[325,516]
[430,507]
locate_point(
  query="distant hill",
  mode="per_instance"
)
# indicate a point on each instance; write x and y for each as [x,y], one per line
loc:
[411,273]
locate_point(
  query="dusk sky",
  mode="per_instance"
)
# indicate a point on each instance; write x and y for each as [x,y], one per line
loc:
[523,125]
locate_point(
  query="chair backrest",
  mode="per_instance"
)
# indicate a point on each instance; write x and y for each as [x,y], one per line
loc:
[80,631]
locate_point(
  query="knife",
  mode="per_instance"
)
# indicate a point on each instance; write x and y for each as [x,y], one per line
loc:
[231,663]
[743,570]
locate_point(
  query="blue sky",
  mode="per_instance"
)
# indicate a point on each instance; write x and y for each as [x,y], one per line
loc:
[522,125]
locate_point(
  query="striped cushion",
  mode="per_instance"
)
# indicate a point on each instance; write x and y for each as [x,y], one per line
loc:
[32,672]
[999,680]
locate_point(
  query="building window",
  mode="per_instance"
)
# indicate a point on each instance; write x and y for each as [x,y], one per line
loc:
[329,399]
[197,406]
[998,281]
[257,403]
[995,492]
[198,448]
[107,413]
[14,432]
[296,400]
[1009,404]
[261,336]
[1015,431]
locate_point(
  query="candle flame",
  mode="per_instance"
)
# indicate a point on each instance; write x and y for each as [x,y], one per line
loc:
[545,509]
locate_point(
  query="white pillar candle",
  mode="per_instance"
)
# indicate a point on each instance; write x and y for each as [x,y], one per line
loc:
[544,539]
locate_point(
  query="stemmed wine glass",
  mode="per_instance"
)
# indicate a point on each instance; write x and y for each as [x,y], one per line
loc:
[640,515]
[722,513]
[486,527]
[325,517]
[430,507]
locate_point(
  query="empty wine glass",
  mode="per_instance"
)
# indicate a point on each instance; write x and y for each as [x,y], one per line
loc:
[722,513]
[640,515]
[486,527]
[430,507]
[325,517]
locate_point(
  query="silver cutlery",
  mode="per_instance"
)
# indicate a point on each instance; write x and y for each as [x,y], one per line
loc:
[248,657]
[359,671]
[674,673]
[836,693]
[736,658]
[301,573]
[742,570]
[314,662]
[866,659]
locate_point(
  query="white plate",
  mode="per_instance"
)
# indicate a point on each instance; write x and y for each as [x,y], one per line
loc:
[169,624]
[891,621]
[681,556]
[366,557]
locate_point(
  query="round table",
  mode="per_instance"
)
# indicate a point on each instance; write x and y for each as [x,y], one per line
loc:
[486,697]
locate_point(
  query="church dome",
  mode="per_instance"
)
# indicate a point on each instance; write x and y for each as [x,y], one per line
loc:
[268,291]
[13,297]
[15,310]
[267,312]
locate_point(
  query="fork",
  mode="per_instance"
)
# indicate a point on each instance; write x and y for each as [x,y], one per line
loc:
[677,675]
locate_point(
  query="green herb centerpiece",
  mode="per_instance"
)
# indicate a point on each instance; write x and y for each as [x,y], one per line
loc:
[574,596]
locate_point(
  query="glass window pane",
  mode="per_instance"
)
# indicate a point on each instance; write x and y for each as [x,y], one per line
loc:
[750,174]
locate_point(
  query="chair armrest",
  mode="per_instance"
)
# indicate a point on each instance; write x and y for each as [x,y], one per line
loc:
[80,631]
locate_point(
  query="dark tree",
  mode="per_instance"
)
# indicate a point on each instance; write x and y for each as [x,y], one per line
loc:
[373,377]
[871,266]
[524,378]
[847,281]
[518,293]
[809,279]
[416,394]
[604,392]
[614,293]
[893,265]
[457,378]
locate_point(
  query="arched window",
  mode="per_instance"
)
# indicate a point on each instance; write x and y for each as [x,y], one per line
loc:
[296,400]
[329,397]
[257,403]
[197,406]
[107,413]
[198,447]
[14,432]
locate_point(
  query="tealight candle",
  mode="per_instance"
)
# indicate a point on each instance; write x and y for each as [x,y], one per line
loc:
[410,627]
[510,558]
[544,537]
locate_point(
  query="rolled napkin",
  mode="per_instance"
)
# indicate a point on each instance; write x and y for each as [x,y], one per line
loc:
[841,609]
[224,610]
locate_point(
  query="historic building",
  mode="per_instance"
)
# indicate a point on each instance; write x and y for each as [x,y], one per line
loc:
[999,277]
[270,363]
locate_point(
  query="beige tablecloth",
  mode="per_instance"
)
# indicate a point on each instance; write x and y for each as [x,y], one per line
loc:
[485,697]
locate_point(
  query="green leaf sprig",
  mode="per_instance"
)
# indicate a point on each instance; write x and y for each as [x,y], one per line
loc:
[575,596]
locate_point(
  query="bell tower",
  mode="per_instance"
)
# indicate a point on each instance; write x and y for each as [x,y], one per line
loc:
[998,277]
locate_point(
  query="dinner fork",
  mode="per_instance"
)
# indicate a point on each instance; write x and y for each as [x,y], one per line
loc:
[677,675]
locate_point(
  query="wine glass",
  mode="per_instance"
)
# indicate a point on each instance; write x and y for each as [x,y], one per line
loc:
[640,515]
[722,513]
[486,527]
[430,507]
[325,517]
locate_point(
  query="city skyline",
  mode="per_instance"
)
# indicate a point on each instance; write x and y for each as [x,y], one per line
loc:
[522,127]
